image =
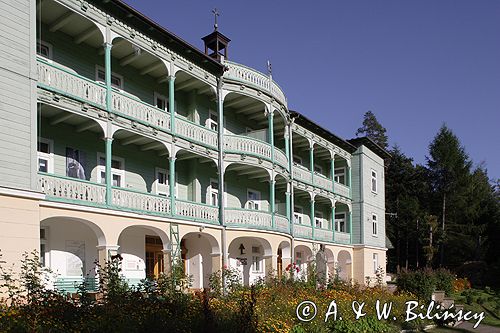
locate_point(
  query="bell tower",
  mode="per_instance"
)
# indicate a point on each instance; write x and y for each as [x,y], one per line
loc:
[216,43]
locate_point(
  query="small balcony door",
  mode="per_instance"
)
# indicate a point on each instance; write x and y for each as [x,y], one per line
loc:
[154,257]
[253,200]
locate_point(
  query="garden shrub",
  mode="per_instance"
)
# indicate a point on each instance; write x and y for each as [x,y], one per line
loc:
[422,283]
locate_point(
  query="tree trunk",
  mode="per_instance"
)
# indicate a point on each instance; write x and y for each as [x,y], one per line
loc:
[441,257]
[416,246]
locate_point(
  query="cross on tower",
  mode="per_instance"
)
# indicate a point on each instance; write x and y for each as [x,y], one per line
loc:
[216,13]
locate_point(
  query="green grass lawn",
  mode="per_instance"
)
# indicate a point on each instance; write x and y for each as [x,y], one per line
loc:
[479,300]
[447,330]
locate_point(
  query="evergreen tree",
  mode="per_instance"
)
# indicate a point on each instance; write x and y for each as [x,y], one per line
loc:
[373,129]
[449,171]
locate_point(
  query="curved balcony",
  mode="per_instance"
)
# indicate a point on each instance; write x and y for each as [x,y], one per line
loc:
[302,174]
[240,144]
[281,223]
[140,202]
[197,211]
[248,218]
[195,132]
[256,79]
[302,231]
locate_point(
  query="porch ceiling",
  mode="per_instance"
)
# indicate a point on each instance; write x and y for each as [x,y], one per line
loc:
[58,116]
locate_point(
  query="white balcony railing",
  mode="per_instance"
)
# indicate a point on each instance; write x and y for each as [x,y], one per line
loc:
[197,211]
[196,132]
[302,231]
[342,237]
[322,181]
[281,223]
[341,189]
[246,145]
[323,234]
[251,77]
[140,202]
[138,110]
[63,80]
[248,218]
[71,189]
[280,158]
[302,174]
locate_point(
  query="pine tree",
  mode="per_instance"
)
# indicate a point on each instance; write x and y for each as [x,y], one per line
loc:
[373,129]
[449,171]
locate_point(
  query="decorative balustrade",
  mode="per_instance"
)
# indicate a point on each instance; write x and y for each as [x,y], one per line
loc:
[197,211]
[196,132]
[72,189]
[280,158]
[342,237]
[281,223]
[138,110]
[140,202]
[322,181]
[323,234]
[251,77]
[62,80]
[248,218]
[247,145]
[302,231]
[302,174]
[342,190]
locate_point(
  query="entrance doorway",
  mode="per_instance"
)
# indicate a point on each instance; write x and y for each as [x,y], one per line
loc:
[154,257]
[280,263]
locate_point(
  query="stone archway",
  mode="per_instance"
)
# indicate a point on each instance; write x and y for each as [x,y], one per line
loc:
[201,258]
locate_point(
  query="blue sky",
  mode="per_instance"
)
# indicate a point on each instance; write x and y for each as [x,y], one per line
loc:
[415,64]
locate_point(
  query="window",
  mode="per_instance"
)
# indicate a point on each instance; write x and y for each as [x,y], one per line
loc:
[297,160]
[253,200]
[374,181]
[45,153]
[375,262]
[318,169]
[116,80]
[212,121]
[44,253]
[256,264]
[214,192]
[160,184]
[298,258]
[117,170]
[161,102]
[340,175]
[318,219]
[44,49]
[75,163]
[297,214]
[340,222]
[374,224]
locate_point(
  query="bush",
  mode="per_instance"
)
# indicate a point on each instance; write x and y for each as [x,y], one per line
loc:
[424,282]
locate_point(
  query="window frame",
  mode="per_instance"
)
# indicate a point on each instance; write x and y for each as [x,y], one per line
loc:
[374,178]
[45,241]
[120,77]
[49,48]
[209,122]
[337,222]
[157,185]
[49,157]
[374,225]
[212,190]
[375,262]
[102,169]
[299,214]
[337,178]
[320,216]
[258,200]
[320,168]
[156,96]
[298,158]
[257,264]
